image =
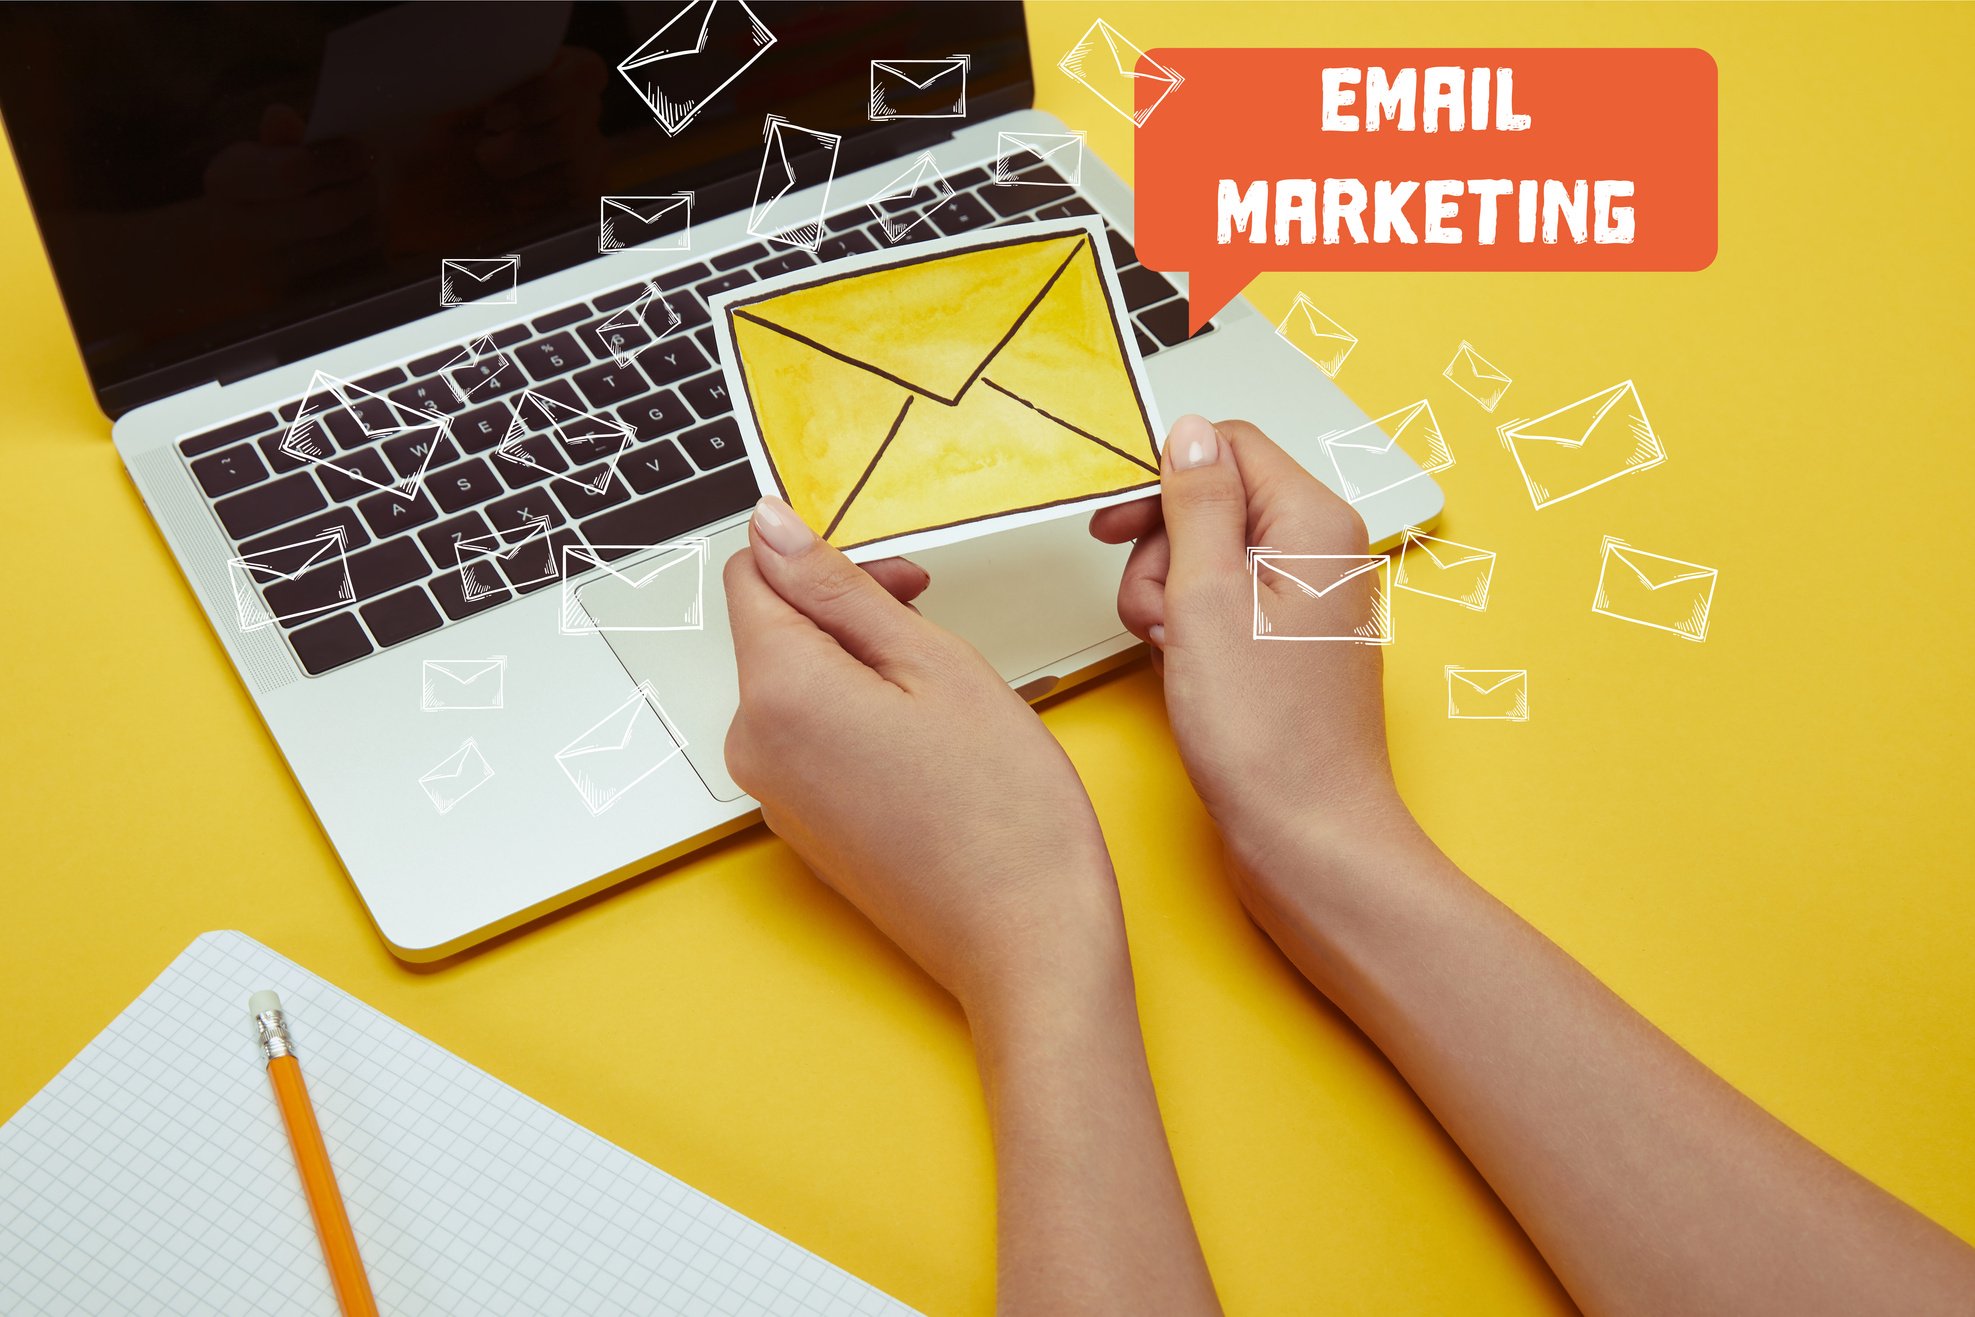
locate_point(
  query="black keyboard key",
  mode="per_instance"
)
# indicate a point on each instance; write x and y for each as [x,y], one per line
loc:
[230,433]
[381,380]
[546,358]
[561,319]
[659,414]
[1147,345]
[708,395]
[403,616]
[385,567]
[482,429]
[464,484]
[375,415]
[968,178]
[277,461]
[962,214]
[288,411]
[740,256]
[1070,209]
[276,503]
[229,471]
[785,263]
[1121,251]
[427,364]
[509,335]
[1144,287]
[706,288]
[714,445]
[683,277]
[329,644]
[653,467]
[365,462]
[386,514]
[427,395]
[845,220]
[609,384]
[512,514]
[450,591]
[311,592]
[440,541]
[354,535]
[530,460]
[592,489]
[419,450]
[1039,175]
[1013,200]
[1166,322]
[845,244]
[622,297]
[676,510]
[692,311]
[708,343]
[561,391]
[674,359]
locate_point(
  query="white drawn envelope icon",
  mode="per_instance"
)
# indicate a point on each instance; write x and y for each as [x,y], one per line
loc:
[908,200]
[1325,342]
[494,280]
[1583,445]
[291,581]
[456,777]
[694,56]
[632,742]
[646,224]
[629,330]
[1107,63]
[1651,589]
[1474,375]
[793,158]
[463,684]
[481,368]
[1442,569]
[1017,151]
[1300,596]
[519,557]
[1496,694]
[669,579]
[575,447]
[1384,454]
[400,444]
[936,87]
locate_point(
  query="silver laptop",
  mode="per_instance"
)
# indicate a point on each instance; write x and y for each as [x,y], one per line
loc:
[238,211]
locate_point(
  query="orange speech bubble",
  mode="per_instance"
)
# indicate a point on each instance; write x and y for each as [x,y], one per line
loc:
[1387,159]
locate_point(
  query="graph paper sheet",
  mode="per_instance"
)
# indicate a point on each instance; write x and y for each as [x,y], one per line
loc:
[153,1176]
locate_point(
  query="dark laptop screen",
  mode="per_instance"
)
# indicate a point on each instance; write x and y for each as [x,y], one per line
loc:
[224,187]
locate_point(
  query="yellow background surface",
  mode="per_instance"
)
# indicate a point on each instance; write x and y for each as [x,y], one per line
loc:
[1763,841]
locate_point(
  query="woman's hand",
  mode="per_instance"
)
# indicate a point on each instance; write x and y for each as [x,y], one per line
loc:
[909,776]
[1284,741]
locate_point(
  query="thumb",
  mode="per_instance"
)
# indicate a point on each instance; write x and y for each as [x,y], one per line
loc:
[841,598]
[1203,500]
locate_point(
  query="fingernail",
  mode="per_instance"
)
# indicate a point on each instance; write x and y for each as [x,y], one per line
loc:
[778,524]
[1156,633]
[1194,442]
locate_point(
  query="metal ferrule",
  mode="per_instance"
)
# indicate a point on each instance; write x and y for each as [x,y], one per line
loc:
[275,1040]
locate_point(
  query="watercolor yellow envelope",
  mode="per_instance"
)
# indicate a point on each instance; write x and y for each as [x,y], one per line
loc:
[900,400]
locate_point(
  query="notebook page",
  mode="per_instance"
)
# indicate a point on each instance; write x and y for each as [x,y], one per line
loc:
[152,1175]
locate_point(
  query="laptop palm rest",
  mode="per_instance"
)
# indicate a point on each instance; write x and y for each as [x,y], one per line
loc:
[1025,598]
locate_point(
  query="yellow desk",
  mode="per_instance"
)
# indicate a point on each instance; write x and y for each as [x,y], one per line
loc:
[1762,841]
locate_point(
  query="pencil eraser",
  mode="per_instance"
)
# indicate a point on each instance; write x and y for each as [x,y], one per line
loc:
[267,999]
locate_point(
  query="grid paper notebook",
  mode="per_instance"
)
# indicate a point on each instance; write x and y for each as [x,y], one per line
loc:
[153,1176]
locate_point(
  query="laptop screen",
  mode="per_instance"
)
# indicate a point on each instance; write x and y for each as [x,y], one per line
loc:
[223,188]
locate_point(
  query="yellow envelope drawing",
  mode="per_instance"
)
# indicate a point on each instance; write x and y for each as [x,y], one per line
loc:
[1384,454]
[1325,342]
[520,557]
[670,581]
[1651,589]
[646,224]
[906,202]
[919,88]
[794,160]
[462,684]
[1441,569]
[1496,694]
[696,53]
[978,383]
[1583,445]
[1017,152]
[1301,596]
[575,447]
[632,742]
[1474,375]
[1105,61]
[494,280]
[456,777]
[291,581]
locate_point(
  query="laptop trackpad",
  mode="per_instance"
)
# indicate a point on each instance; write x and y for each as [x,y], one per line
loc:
[1025,598]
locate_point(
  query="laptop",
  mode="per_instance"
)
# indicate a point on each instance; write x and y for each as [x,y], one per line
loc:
[247,206]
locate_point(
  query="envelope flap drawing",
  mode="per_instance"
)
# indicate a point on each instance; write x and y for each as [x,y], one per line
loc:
[687,32]
[463,762]
[465,671]
[582,558]
[587,436]
[480,269]
[635,315]
[650,210]
[620,729]
[1383,434]
[924,175]
[1485,681]
[1656,571]
[288,562]
[1318,576]
[1572,425]
[1046,147]
[1460,555]
[1125,55]
[1479,366]
[929,70]
[501,544]
[1317,323]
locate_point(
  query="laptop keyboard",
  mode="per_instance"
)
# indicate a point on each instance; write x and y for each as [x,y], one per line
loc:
[686,469]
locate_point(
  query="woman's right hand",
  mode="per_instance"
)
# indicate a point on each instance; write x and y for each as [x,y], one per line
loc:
[1284,741]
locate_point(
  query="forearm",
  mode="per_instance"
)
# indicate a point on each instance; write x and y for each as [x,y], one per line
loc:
[1649,1184]
[1090,1213]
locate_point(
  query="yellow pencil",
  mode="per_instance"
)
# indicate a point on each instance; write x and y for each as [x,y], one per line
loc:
[332,1223]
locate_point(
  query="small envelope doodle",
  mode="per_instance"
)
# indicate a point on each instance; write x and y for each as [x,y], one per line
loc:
[931,88]
[365,437]
[1300,596]
[1107,63]
[1325,342]
[632,742]
[481,369]
[906,202]
[463,684]
[646,224]
[574,446]
[695,55]
[456,777]
[291,581]
[493,280]
[1474,375]
[902,399]
[519,557]
[793,159]
[1497,694]
[670,581]
[1441,569]
[630,329]
[1384,454]
[1015,152]
[1651,589]
[1583,445]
